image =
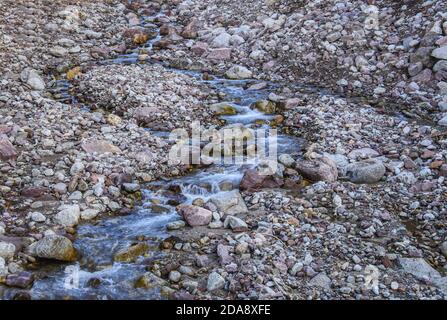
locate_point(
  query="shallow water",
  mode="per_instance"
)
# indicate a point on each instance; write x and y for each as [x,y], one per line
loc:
[97,243]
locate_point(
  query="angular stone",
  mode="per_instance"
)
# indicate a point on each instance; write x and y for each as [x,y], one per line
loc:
[215,282]
[68,216]
[253,180]
[230,203]
[236,224]
[7,150]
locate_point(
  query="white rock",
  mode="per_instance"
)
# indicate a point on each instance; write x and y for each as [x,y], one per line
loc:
[221,41]
[440,53]
[37,217]
[32,78]
[68,216]
[7,250]
[238,72]
[89,214]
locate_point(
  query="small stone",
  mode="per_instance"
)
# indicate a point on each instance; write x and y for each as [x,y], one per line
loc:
[175,276]
[215,282]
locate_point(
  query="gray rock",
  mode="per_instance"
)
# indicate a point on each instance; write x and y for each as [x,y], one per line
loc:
[443,121]
[238,72]
[32,78]
[221,41]
[215,282]
[7,250]
[286,160]
[236,224]
[440,53]
[37,217]
[89,214]
[230,202]
[54,247]
[175,276]
[368,171]
[443,248]
[68,216]
[321,280]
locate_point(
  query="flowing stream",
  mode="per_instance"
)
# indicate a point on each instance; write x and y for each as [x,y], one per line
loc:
[96,275]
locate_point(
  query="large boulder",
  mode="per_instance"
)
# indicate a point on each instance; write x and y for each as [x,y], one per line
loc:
[253,180]
[194,215]
[54,247]
[367,171]
[230,203]
[322,169]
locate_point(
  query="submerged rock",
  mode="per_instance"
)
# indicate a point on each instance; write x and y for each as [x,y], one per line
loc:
[131,253]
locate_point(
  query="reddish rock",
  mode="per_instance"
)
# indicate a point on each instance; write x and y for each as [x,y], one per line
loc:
[199,48]
[163,43]
[220,54]
[427,154]
[223,252]
[166,30]
[145,114]
[323,169]
[194,215]
[100,51]
[443,170]
[33,192]
[190,31]
[253,181]
[7,150]
[436,164]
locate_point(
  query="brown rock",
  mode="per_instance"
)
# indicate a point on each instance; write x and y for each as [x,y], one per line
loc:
[253,180]
[323,169]
[99,147]
[190,31]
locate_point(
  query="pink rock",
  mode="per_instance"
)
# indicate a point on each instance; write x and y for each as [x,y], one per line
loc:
[190,31]
[323,169]
[424,77]
[194,215]
[219,54]
[199,48]
[7,150]
[253,181]
[223,252]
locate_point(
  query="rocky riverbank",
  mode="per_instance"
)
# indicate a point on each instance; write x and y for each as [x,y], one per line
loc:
[359,213]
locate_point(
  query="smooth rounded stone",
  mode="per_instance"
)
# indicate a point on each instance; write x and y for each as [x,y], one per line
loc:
[441,65]
[76,168]
[321,280]
[394,285]
[7,250]
[68,216]
[440,53]
[175,276]
[37,217]
[216,225]
[367,171]
[176,225]
[230,202]
[223,108]
[33,79]
[238,72]
[194,215]
[286,160]
[89,214]
[236,224]
[215,282]
[54,247]
[322,169]
[131,253]
[187,270]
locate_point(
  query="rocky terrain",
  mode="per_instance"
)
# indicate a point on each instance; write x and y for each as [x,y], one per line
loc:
[90,89]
